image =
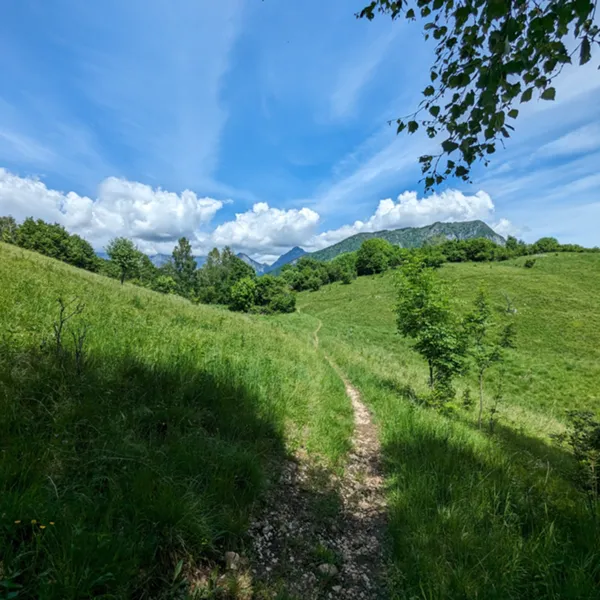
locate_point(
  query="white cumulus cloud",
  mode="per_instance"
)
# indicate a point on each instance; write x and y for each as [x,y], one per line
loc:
[154,218]
[411,211]
[266,230]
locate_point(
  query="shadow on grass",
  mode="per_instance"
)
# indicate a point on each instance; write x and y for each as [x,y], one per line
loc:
[110,476]
[471,521]
[304,526]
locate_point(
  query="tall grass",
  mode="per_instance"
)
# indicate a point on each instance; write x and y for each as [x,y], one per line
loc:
[475,514]
[151,447]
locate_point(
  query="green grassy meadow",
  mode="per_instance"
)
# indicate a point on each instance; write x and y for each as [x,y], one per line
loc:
[151,447]
[153,443]
[475,514]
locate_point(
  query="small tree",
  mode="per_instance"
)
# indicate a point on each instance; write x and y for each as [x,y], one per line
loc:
[8,230]
[125,255]
[373,256]
[423,314]
[545,244]
[243,294]
[81,254]
[486,346]
[164,284]
[184,266]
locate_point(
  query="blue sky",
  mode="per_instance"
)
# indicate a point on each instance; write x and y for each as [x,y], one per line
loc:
[259,124]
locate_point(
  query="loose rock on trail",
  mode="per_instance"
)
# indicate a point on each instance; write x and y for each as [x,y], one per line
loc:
[320,535]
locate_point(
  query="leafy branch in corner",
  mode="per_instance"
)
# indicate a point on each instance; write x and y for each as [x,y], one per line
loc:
[490,56]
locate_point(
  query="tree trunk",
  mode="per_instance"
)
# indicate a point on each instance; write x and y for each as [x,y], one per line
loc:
[480,399]
[431,379]
[122,277]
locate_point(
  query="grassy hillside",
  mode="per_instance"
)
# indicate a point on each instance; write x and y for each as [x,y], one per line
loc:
[474,514]
[150,447]
[412,237]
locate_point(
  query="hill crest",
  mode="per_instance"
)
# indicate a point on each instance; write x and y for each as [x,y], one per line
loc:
[413,237]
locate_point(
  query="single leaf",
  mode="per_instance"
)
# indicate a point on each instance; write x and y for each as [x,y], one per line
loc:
[435,111]
[549,94]
[527,95]
[585,53]
[513,114]
[412,126]
[410,13]
[449,146]
[429,91]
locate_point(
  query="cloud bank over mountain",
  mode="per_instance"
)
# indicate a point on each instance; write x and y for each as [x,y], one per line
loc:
[155,218]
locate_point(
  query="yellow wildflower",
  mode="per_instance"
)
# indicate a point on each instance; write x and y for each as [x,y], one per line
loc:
[17,522]
[42,527]
[33,521]
[51,522]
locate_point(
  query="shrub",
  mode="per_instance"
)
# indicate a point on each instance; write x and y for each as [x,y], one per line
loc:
[164,284]
[373,256]
[243,294]
[283,302]
[529,263]
[313,283]
[347,277]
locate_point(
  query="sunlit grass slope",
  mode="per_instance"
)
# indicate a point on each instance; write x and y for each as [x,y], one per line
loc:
[153,446]
[475,514]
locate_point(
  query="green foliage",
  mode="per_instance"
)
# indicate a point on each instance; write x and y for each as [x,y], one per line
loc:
[529,263]
[486,345]
[412,237]
[373,256]
[583,437]
[184,268]
[81,254]
[157,449]
[220,272]
[545,244]
[283,302]
[472,515]
[125,256]
[424,315]
[243,294]
[164,284]
[8,230]
[51,240]
[490,55]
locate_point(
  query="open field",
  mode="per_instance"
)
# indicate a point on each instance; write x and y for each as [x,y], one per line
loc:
[475,515]
[153,445]
[148,433]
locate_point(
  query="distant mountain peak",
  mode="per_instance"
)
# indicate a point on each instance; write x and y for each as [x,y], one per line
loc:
[259,268]
[291,256]
[414,237]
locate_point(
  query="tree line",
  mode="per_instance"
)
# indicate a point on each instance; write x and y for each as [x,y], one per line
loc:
[224,278]
[377,255]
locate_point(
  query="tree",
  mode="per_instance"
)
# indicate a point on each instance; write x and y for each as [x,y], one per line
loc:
[39,236]
[147,272]
[81,254]
[164,284]
[545,244]
[373,256]
[423,314]
[184,266]
[490,56]
[243,294]
[486,347]
[219,274]
[125,255]
[8,230]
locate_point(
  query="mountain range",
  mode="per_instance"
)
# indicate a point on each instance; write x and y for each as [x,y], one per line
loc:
[414,237]
[407,237]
